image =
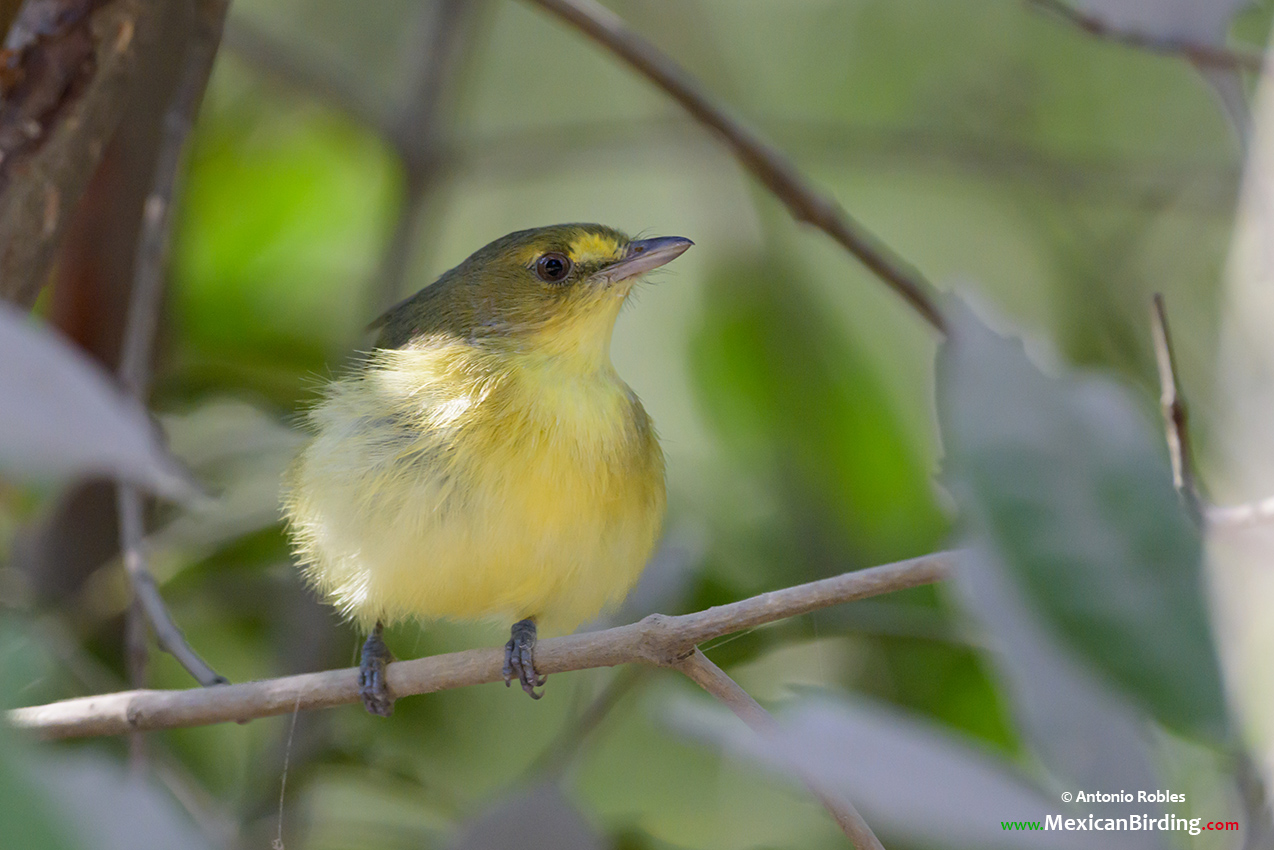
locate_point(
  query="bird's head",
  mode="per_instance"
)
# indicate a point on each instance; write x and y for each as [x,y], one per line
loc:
[555,290]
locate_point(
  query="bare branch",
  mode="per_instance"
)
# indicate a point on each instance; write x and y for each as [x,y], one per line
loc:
[658,640]
[1175,415]
[1202,55]
[714,680]
[765,162]
[146,592]
[1177,429]
[139,337]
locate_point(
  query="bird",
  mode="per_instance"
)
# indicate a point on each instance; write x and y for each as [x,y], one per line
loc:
[485,461]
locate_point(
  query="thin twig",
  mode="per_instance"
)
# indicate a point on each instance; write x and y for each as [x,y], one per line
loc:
[414,129]
[418,135]
[150,265]
[658,640]
[294,67]
[151,261]
[136,661]
[1175,415]
[714,680]
[1176,422]
[146,592]
[1202,55]
[764,161]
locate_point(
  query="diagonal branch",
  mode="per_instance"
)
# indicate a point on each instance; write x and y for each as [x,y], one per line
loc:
[139,336]
[1176,418]
[657,640]
[775,171]
[1201,55]
[1177,430]
[715,681]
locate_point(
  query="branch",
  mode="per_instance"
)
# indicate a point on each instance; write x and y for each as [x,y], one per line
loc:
[1176,426]
[139,336]
[658,640]
[766,163]
[1202,55]
[714,680]
[1175,415]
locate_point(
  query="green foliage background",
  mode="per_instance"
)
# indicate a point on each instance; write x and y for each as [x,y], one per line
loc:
[1057,177]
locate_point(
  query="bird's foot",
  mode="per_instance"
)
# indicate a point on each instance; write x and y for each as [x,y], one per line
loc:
[519,658]
[372,686]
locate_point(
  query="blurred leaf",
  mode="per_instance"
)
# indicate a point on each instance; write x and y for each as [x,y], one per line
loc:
[241,453]
[1084,732]
[112,809]
[57,800]
[909,779]
[61,416]
[282,224]
[537,819]
[944,682]
[1195,21]
[1073,489]
[798,402]
[27,813]
[28,816]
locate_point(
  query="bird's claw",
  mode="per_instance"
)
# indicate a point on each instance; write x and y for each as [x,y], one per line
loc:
[372,685]
[519,659]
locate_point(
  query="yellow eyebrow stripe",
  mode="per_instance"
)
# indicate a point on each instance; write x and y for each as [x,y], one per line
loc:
[594,248]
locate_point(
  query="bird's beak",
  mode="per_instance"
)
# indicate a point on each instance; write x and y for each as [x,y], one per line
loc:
[643,255]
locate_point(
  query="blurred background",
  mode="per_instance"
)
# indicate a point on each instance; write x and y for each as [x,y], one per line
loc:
[346,154]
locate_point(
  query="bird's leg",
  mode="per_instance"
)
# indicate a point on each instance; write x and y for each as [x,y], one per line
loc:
[372,686]
[519,658]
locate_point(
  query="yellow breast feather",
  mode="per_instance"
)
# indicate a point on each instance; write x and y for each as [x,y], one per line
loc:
[547,505]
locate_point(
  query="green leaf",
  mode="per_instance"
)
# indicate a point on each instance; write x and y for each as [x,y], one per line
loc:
[797,402]
[28,816]
[1072,488]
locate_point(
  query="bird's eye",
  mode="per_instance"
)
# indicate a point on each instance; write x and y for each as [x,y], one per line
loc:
[553,268]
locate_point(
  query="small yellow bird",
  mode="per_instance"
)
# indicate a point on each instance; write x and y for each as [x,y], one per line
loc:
[486,460]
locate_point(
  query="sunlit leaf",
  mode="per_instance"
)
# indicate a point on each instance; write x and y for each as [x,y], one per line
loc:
[61,416]
[112,810]
[1072,486]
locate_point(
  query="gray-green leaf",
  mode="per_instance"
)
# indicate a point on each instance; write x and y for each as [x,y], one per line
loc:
[1071,486]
